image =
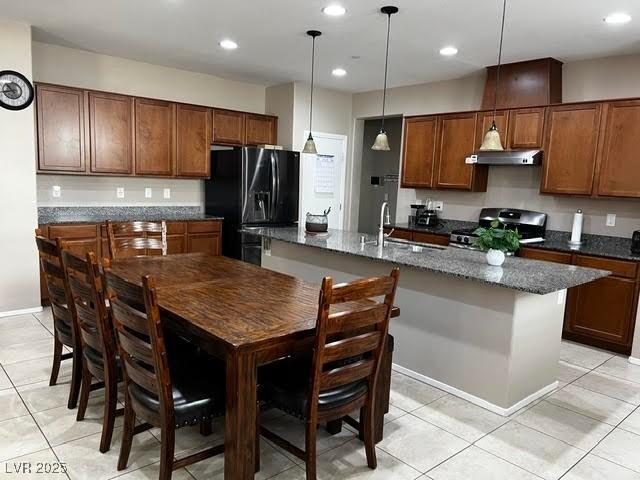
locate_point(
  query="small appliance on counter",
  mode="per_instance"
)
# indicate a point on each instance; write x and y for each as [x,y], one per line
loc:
[635,242]
[531,225]
[425,215]
[316,224]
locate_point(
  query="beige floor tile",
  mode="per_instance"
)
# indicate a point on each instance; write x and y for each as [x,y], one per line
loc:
[45,318]
[582,355]
[271,463]
[20,352]
[84,460]
[40,396]
[393,413]
[620,447]
[20,436]
[39,465]
[568,373]
[16,323]
[152,472]
[621,368]
[460,417]
[474,463]
[11,405]
[570,427]
[611,386]
[295,473]
[37,370]
[531,450]
[632,422]
[409,394]
[189,438]
[592,404]
[4,380]
[596,468]
[418,443]
[30,333]
[59,424]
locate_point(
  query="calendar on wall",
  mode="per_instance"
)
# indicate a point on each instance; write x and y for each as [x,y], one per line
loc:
[324,180]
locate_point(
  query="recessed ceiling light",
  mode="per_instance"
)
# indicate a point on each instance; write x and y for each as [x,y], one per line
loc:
[338,72]
[448,51]
[228,44]
[334,10]
[618,18]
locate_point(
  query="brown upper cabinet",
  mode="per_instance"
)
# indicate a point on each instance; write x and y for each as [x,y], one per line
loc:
[193,140]
[260,129]
[456,141]
[570,149]
[155,137]
[61,128]
[111,133]
[228,127]
[526,128]
[620,160]
[484,124]
[420,141]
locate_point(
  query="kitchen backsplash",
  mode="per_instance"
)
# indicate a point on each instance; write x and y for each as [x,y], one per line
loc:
[518,187]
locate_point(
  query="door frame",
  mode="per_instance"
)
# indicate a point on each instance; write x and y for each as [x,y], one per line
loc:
[343,173]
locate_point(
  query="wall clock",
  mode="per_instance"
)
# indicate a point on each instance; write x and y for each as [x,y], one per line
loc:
[16,92]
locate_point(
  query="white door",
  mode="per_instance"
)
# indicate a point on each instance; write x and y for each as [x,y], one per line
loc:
[322,178]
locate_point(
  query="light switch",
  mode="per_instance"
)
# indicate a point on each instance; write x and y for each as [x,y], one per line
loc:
[120,192]
[611,219]
[167,193]
[56,191]
[148,193]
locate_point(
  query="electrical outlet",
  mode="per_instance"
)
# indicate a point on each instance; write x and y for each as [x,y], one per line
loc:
[120,192]
[148,193]
[611,219]
[166,193]
[56,191]
[438,206]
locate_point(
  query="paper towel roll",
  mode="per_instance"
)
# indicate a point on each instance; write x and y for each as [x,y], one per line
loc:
[576,230]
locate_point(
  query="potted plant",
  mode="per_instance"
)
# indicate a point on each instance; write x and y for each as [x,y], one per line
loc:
[496,240]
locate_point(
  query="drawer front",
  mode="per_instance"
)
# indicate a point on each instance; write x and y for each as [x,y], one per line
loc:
[619,268]
[205,226]
[430,238]
[545,255]
[73,231]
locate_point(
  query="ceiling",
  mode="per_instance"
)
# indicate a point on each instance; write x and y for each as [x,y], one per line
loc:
[273,47]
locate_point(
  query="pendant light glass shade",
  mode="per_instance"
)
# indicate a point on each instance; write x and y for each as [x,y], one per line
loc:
[492,139]
[382,141]
[310,144]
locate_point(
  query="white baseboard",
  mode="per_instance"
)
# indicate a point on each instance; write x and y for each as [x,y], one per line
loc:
[634,360]
[23,311]
[505,412]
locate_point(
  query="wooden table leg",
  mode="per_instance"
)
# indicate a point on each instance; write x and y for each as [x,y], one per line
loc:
[240,421]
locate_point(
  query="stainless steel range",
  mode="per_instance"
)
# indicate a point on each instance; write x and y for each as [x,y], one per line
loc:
[531,225]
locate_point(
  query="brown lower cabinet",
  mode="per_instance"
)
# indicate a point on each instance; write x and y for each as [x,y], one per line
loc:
[601,313]
[421,237]
[182,237]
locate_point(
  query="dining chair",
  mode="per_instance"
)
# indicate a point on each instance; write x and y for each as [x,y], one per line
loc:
[342,373]
[99,360]
[133,237]
[64,318]
[164,391]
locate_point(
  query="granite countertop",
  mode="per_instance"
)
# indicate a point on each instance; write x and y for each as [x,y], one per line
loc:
[600,245]
[531,276]
[54,215]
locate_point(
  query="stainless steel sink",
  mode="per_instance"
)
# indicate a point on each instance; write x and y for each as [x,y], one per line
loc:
[416,246]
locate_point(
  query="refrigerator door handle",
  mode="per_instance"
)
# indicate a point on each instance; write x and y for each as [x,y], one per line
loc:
[275,186]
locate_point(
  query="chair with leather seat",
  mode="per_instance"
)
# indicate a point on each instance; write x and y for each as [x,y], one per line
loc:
[64,319]
[160,389]
[340,377]
[136,238]
[99,360]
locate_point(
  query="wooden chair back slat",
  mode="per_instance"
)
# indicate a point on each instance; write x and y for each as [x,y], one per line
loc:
[366,288]
[135,346]
[351,347]
[140,375]
[141,242]
[357,318]
[346,374]
[130,318]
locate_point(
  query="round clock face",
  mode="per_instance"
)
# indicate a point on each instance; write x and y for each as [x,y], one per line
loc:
[16,92]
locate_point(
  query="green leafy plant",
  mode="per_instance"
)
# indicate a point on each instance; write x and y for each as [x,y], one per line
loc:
[497,237]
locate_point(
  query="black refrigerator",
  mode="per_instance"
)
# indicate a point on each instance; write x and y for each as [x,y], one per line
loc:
[252,187]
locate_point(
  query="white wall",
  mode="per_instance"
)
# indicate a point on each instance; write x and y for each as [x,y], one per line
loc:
[80,68]
[279,101]
[614,77]
[19,280]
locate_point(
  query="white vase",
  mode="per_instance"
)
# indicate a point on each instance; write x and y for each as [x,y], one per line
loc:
[495,257]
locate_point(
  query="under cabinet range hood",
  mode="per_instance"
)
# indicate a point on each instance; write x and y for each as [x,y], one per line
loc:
[506,157]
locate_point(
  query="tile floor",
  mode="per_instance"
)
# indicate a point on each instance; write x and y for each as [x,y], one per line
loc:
[587,429]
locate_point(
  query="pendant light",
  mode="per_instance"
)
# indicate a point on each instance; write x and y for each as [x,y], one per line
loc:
[492,138]
[310,145]
[382,142]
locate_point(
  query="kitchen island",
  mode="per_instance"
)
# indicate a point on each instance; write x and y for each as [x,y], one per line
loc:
[490,335]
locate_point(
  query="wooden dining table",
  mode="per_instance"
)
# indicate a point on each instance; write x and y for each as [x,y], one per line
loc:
[245,315]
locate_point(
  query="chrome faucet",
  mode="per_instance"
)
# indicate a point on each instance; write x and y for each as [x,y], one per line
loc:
[381,235]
